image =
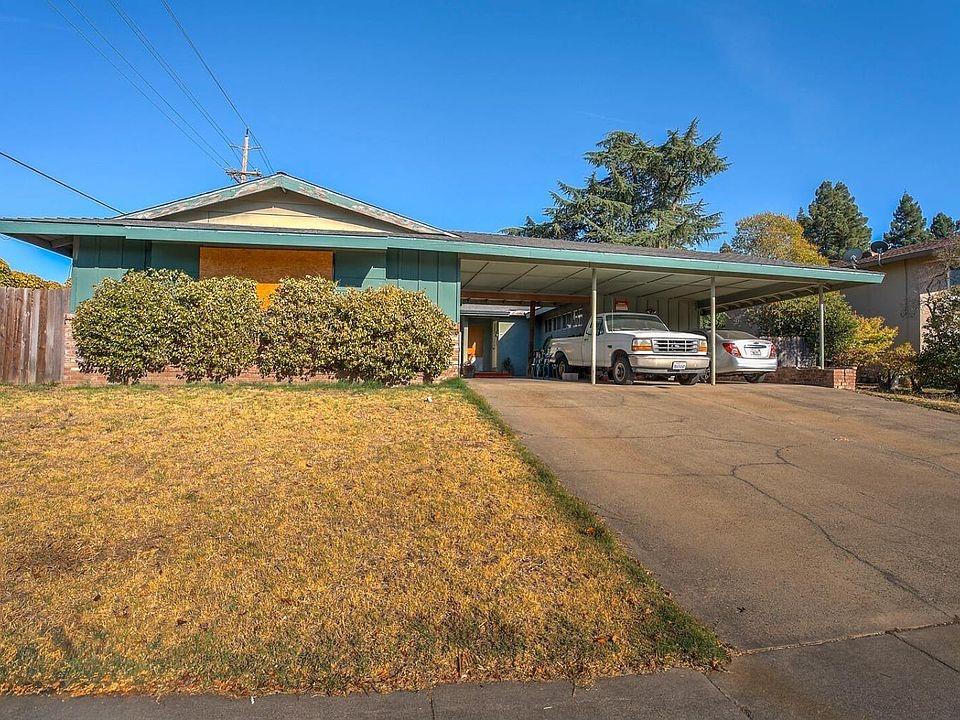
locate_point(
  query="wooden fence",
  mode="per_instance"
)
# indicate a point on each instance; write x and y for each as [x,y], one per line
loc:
[31,335]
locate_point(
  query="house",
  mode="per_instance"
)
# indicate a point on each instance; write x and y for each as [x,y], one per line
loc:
[280,226]
[911,275]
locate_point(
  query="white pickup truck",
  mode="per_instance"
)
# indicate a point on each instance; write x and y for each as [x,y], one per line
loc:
[630,344]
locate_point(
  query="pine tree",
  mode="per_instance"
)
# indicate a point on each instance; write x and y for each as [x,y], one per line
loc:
[638,194]
[942,226]
[907,226]
[833,222]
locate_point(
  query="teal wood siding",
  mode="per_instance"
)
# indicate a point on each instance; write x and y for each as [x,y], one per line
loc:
[96,258]
[177,256]
[359,268]
[435,273]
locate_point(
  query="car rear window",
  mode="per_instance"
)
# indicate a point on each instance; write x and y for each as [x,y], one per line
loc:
[737,335]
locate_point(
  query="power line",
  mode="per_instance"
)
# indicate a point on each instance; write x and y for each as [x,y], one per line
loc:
[219,163]
[145,41]
[144,79]
[59,182]
[186,35]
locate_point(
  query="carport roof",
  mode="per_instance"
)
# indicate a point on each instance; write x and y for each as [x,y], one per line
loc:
[515,268]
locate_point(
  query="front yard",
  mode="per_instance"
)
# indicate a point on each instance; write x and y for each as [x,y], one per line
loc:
[249,540]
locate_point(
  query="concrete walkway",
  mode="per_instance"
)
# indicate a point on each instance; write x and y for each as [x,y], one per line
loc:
[817,530]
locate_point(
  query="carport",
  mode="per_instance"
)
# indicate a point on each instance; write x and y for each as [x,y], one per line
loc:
[678,285]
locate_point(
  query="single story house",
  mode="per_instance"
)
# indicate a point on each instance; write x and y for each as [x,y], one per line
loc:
[280,226]
[911,275]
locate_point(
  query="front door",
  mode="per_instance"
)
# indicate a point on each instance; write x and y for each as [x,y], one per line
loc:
[476,335]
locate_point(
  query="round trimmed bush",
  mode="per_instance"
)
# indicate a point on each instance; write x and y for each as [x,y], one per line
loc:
[130,326]
[295,338]
[220,328]
[390,335]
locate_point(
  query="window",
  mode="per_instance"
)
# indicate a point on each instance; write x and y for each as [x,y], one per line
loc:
[621,321]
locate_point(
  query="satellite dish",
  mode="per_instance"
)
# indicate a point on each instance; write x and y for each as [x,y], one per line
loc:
[852,255]
[879,246]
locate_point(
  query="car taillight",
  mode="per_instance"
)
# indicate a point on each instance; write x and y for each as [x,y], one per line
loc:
[773,351]
[731,348]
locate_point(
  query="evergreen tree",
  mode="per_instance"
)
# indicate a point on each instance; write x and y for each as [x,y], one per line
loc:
[942,226]
[833,222]
[638,194]
[908,226]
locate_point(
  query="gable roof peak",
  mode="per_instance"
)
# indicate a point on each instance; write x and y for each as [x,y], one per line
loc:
[287,183]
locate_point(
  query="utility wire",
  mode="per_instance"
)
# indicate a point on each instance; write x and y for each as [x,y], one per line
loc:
[59,182]
[151,48]
[221,163]
[186,35]
[145,80]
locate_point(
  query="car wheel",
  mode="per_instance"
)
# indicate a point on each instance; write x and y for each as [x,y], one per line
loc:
[688,379]
[562,366]
[622,373]
[754,377]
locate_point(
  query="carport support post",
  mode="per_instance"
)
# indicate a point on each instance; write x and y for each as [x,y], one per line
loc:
[822,333]
[713,330]
[593,326]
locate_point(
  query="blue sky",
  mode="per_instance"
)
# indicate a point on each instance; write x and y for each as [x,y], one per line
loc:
[465,115]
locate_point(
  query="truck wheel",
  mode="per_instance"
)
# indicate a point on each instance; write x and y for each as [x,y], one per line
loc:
[754,377]
[622,373]
[562,367]
[688,379]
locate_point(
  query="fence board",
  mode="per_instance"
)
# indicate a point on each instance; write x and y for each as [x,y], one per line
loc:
[31,335]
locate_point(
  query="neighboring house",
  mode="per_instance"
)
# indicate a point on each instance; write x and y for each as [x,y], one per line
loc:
[911,274]
[279,226]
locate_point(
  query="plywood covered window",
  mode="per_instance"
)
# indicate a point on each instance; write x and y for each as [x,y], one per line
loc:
[265,266]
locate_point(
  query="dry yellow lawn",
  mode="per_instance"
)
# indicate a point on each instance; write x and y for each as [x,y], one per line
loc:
[252,539]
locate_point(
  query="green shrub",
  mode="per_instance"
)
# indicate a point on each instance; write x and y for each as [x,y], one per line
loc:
[871,340]
[220,327]
[14,278]
[898,362]
[295,338]
[939,361]
[130,326]
[801,317]
[390,335]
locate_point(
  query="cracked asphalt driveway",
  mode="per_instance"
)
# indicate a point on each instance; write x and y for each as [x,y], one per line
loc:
[780,515]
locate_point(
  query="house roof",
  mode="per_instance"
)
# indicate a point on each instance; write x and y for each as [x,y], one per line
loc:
[284,182]
[901,254]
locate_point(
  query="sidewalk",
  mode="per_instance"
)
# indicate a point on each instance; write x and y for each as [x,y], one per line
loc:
[911,674]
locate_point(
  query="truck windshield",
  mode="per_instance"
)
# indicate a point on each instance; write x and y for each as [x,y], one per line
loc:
[634,322]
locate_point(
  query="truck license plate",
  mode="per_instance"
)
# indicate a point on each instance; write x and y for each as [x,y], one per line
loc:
[679,365]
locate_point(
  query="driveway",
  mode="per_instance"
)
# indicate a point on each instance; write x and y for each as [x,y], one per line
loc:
[786,517]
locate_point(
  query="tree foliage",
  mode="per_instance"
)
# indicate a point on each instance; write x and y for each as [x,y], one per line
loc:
[939,361]
[801,317]
[942,226]
[15,278]
[833,222]
[219,328]
[908,226]
[130,326]
[870,341]
[639,193]
[775,236]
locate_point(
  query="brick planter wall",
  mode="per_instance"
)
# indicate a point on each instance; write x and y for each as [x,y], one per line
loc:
[839,378]
[72,376]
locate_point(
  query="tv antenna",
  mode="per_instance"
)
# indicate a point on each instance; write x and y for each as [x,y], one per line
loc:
[852,255]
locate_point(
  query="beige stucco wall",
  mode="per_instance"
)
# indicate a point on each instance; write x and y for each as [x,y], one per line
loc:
[900,299]
[276,208]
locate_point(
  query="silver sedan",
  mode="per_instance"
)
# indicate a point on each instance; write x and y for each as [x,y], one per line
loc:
[740,353]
